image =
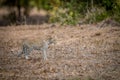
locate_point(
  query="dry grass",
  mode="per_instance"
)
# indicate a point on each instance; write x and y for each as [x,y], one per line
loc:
[83,52]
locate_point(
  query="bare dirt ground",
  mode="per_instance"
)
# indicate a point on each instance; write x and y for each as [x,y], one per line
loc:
[83,52]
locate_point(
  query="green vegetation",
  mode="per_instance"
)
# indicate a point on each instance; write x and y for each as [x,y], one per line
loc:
[69,11]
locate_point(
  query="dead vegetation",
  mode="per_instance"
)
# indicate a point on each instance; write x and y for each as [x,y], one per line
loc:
[84,52]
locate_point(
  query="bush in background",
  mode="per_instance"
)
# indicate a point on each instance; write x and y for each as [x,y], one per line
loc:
[70,12]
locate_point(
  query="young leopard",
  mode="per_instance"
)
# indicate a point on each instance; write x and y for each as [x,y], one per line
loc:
[27,48]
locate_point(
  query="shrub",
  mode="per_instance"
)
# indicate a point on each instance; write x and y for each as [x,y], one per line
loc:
[96,15]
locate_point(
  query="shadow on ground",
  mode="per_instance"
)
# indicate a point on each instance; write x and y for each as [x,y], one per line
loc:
[31,20]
